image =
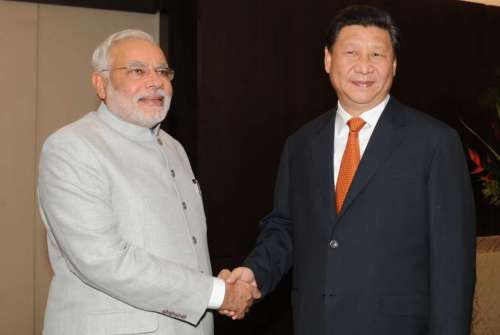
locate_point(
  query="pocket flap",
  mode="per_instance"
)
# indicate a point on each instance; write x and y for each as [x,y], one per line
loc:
[121,323]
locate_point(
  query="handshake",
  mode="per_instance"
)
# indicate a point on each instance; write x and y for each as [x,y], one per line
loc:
[241,292]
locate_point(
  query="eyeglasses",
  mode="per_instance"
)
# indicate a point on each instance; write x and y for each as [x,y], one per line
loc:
[139,72]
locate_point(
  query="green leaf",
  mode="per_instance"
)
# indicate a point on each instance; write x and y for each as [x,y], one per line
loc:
[491,192]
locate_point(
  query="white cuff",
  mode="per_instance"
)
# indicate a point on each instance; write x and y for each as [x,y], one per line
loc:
[218,292]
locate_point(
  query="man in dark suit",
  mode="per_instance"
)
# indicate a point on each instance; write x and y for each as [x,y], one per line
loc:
[373,206]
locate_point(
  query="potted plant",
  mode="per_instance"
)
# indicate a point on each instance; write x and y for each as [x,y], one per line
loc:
[486,165]
[485,161]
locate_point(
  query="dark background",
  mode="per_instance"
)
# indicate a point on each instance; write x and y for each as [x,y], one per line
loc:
[249,73]
[260,77]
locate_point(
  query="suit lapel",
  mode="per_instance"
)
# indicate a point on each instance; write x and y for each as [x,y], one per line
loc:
[386,136]
[321,149]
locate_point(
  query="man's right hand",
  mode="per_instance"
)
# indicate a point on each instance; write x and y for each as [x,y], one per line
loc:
[241,291]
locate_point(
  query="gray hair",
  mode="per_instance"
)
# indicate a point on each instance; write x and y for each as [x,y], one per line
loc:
[100,57]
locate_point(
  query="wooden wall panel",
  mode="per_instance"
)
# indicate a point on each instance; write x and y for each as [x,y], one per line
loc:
[17,174]
[486,2]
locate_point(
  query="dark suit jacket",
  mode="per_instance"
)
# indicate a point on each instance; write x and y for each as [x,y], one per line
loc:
[399,258]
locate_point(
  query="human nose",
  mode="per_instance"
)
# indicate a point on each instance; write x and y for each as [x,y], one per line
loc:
[154,79]
[364,64]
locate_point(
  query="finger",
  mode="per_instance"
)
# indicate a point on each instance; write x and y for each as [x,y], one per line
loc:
[228,314]
[242,315]
[234,276]
[256,294]
[224,274]
[238,316]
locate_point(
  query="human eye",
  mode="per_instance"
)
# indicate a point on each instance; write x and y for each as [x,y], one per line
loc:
[378,54]
[136,71]
[163,72]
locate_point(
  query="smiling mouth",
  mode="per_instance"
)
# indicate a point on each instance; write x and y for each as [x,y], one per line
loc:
[362,83]
[153,100]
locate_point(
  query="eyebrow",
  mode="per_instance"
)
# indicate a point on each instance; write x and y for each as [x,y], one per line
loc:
[141,64]
[378,46]
[136,63]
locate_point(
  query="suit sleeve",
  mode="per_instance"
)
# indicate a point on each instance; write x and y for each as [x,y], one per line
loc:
[271,258]
[452,239]
[75,204]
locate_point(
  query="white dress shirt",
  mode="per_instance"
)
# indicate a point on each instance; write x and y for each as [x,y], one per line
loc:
[341,134]
[218,292]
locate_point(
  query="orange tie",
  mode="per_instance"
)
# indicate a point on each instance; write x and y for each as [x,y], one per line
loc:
[350,161]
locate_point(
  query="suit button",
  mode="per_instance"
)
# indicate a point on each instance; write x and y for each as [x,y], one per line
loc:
[184,206]
[195,240]
[334,244]
[160,142]
[172,173]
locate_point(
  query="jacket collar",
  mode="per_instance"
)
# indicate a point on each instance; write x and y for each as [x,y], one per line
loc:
[125,128]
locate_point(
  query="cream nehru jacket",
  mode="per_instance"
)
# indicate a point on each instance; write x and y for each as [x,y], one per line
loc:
[126,231]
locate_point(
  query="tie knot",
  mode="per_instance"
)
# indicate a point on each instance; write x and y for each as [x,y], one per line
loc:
[355,124]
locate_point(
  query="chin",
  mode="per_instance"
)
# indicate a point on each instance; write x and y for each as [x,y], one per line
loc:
[152,111]
[155,117]
[146,117]
[363,100]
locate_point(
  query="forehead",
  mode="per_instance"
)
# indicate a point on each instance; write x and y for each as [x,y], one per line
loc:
[371,35]
[136,50]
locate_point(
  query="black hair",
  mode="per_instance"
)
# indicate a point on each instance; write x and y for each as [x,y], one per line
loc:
[365,16]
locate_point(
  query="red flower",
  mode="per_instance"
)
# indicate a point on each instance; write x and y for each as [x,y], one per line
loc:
[474,157]
[488,177]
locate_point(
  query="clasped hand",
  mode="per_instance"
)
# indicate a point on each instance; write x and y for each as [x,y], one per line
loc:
[241,292]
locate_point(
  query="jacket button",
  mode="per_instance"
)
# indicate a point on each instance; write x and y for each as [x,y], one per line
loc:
[195,240]
[184,206]
[172,173]
[334,244]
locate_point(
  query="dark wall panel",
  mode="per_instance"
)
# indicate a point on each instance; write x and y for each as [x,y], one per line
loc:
[178,38]
[260,77]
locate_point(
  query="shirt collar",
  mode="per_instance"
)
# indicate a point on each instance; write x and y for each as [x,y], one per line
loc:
[370,116]
[126,128]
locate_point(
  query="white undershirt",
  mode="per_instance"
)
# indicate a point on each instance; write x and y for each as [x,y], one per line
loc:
[341,131]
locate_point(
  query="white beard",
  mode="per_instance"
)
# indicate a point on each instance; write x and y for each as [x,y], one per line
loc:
[128,109]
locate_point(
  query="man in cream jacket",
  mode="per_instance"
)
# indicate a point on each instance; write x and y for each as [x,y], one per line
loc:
[125,222]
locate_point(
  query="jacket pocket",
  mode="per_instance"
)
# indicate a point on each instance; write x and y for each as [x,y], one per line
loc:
[121,323]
